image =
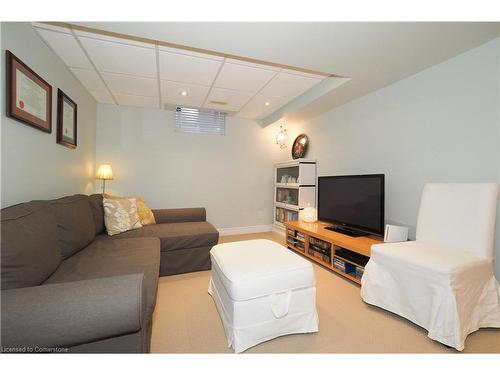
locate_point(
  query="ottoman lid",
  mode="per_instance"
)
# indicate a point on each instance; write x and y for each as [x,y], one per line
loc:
[255,268]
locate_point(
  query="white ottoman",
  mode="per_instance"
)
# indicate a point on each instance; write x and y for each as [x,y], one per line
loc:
[262,290]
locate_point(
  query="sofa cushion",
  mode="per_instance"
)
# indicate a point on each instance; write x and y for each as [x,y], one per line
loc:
[75,223]
[112,258]
[30,251]
[95,201]
[176,236]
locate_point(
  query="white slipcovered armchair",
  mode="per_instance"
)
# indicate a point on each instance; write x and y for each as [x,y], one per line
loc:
[444,280]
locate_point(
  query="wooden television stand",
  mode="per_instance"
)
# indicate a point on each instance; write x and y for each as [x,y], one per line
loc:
[338,252]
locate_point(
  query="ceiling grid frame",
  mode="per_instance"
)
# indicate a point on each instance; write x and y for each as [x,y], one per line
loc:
[167,99]
[213,82]
[158,75]
[258,92]
[93,64]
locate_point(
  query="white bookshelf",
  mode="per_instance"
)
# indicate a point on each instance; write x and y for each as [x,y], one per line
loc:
[294,189]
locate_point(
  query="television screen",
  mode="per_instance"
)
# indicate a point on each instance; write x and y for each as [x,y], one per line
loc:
[355,202]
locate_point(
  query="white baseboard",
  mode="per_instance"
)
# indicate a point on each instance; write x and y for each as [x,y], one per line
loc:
[278,229]
[245,230]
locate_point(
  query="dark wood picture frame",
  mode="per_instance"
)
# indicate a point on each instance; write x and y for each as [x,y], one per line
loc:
[62,139]
[15,105]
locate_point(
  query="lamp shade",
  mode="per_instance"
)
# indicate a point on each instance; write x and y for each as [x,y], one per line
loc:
[104,172]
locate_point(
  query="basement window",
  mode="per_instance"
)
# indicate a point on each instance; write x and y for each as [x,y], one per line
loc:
[201,121]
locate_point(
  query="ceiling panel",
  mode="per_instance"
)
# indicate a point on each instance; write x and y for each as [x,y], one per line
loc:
[234,99]
[257,109]
[130,73]
[121,58]
[254,65]
[189,69]
[171,93]
[243,78]
[67,48]
[90,79]
[130,85]
[289,85]
[108,38]
[190,53]
[137,101]
[102,97]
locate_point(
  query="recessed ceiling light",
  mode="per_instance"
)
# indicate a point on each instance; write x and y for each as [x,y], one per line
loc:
[184,93]
[267,104]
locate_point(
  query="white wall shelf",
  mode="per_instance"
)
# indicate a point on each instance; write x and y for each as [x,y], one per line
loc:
[294,189]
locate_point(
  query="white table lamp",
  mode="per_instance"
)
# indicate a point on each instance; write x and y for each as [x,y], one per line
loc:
[309,214]
[104,172]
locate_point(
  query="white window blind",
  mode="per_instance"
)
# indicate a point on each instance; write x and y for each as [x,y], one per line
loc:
[202,121]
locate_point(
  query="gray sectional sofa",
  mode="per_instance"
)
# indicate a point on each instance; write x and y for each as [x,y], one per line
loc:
[69,287]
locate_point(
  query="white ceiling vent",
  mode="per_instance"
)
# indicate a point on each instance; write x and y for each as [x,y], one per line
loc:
[201,121]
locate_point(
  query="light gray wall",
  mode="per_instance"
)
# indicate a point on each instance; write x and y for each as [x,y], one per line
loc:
[34,166]
[230,175]
[440,125]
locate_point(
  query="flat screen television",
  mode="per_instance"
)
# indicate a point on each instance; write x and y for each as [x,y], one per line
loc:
[354,204]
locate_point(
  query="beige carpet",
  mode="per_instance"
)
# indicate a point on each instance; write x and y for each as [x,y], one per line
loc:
[186,321]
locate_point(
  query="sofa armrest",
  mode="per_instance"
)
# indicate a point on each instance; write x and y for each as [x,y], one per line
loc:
[67,314]
[180,215]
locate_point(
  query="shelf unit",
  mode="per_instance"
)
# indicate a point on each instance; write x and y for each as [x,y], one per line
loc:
[338,252]
[294,189]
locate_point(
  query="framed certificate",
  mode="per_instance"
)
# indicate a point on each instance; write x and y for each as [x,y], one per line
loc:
[66,120]
[29,97]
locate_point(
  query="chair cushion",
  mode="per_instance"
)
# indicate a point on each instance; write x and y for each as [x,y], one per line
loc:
[255,268]
[95,201]
[426,257]
[75,223]
[30,251]
[176,236]
[115,257]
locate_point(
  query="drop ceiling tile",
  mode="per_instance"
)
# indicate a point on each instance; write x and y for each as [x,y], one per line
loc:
[130,85]
[171,93]
[89,78]
[121,58]
[181,101]
[137,101]
[289,85]
[113,39]
[102,97]
[189,69]
[67,48]
[234,99]
[253,65]
[243,78]
[257,109]
[222,108]
[188,52]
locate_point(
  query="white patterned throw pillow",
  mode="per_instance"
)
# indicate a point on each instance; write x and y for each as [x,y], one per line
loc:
[120,215]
